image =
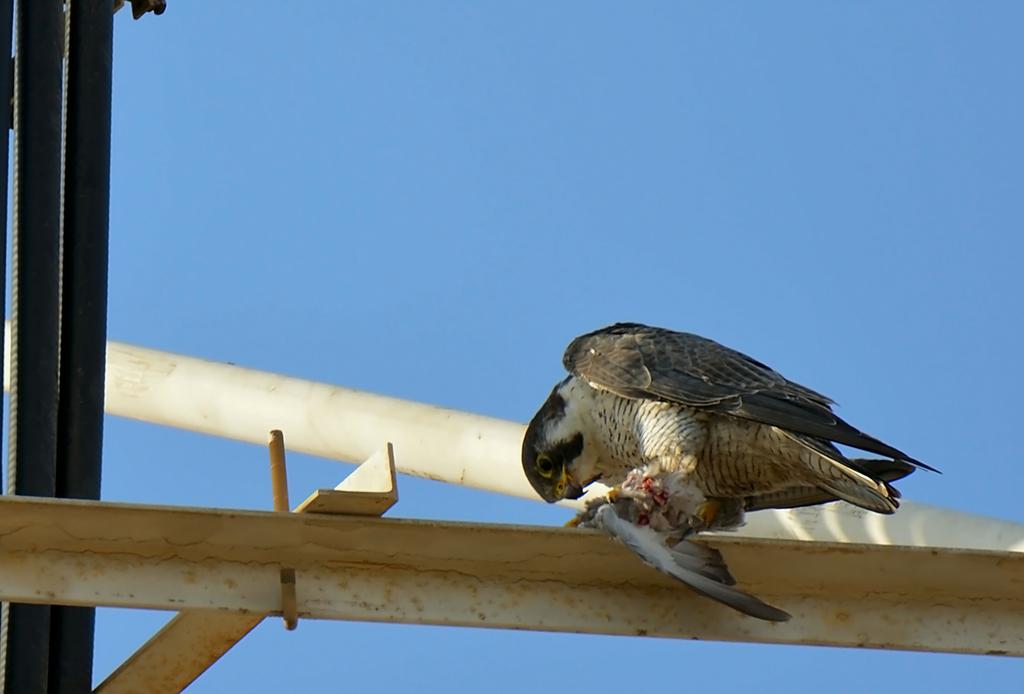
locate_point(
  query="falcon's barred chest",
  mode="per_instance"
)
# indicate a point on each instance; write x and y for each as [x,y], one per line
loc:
[720,456]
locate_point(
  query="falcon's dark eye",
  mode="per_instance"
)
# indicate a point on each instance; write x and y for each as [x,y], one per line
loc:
[545,466]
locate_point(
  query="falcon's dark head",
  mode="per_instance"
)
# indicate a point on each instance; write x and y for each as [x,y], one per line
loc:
[550,446]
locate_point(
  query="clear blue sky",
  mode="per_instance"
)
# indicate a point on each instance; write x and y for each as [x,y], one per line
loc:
[429,200]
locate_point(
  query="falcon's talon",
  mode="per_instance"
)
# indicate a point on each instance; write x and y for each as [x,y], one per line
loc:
[707,512]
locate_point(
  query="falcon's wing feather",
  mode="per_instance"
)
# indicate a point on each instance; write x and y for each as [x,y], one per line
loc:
[796,497]
[638,361]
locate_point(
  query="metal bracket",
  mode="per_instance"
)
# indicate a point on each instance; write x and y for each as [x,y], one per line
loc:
[370,490]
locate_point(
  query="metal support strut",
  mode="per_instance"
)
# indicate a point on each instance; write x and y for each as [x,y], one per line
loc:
[35,304]
[83,323]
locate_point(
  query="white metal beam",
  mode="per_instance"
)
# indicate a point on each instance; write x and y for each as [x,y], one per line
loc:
[195,639]
[89,553]
[447,445]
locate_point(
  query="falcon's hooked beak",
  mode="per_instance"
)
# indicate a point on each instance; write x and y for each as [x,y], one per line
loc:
[571,490]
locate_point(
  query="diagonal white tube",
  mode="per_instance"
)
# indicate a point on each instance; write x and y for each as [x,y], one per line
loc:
[442,444]
[317,418]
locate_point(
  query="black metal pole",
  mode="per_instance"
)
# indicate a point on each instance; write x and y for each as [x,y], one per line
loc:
[6,123]
[35,320]
[83,306]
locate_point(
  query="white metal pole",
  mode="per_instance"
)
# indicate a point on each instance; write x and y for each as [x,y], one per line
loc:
[318,419]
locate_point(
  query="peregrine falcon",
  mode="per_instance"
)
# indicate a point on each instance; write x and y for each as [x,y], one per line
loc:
[723,432]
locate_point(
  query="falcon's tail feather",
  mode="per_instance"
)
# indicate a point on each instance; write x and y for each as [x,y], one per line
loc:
[700,568]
